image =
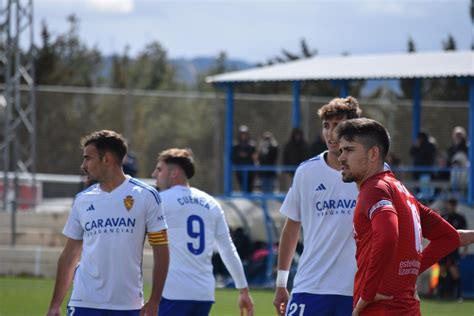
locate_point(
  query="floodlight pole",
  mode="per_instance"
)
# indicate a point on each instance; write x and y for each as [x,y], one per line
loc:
[16,27]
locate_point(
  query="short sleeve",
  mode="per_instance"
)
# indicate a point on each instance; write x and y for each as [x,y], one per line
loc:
[73,228]
[155,215]
[291,206]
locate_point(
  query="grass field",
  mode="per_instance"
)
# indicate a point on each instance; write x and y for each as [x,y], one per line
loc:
[30,297]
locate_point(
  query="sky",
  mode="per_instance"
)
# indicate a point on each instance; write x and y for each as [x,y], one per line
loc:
[258,30]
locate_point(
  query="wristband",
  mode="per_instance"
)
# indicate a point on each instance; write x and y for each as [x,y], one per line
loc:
[282,278]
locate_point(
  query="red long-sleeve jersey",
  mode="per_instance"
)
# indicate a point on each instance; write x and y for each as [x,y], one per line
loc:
[389,226]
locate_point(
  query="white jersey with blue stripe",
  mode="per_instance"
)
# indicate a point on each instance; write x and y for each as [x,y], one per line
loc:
[112,226]
[195,219]
[324,204]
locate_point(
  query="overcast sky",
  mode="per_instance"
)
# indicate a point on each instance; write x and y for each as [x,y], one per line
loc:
[258,30]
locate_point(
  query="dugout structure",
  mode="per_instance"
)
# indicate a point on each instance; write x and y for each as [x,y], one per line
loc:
[341,71]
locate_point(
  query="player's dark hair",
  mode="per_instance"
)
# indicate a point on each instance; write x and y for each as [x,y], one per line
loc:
[106,141]
[367,132]
[338,107]
[183,158]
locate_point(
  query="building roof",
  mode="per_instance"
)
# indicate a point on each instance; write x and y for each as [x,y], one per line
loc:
[381,66]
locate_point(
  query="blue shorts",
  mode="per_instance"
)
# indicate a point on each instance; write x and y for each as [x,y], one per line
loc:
[184,308]
[85,311]
[304,304]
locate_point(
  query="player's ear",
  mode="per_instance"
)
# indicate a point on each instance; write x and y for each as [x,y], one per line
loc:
[374,153]
[174,172]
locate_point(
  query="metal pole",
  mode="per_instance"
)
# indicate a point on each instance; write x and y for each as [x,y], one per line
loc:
[33,104]
[416,109]
[268,229]
[15,197]
[343,88]
[229,120]
[296,108]
[8,109]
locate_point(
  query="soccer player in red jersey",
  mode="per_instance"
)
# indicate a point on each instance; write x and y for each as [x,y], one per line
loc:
[389,226]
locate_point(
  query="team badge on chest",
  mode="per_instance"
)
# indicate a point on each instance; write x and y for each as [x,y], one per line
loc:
[128,202]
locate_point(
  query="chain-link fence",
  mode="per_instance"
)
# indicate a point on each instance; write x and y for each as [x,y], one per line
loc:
[153,121]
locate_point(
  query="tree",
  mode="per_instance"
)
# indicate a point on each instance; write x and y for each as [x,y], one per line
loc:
[151,69]
[407,84]
[120,70]
[64,60]
[449,44]
[318,88]
[411,45]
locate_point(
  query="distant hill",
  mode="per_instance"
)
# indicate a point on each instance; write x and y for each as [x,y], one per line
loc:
[187,70]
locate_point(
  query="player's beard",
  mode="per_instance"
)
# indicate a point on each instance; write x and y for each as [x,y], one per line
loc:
[347,177]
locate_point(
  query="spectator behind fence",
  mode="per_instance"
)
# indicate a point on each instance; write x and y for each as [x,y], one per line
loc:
[459,143]
[244,153]
[296,150]
[318,146]
[449,276]
[423,153]
[130,165]
[267,156]
[458,176]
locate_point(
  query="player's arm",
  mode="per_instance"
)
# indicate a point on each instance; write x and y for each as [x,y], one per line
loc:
[442,236]
[161,259]
[65,271]
[286,250]
[232,262]
[384,224]
[384,247]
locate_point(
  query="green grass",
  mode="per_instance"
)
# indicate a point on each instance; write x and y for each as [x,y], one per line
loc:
[25,296]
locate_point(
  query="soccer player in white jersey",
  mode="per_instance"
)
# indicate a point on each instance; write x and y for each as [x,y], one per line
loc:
[108,224]
[322,205]
[196,224]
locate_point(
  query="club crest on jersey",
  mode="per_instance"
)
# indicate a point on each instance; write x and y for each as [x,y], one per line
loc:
[128,202]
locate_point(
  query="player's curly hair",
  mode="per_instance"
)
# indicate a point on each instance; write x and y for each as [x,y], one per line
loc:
[348,107]
[180,157]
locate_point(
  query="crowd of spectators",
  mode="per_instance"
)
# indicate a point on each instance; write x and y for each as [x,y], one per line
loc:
[266,153]
[451,164]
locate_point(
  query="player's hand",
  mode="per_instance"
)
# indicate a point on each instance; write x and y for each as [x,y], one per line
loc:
[54,311]
[245,302]
[361,304]
[149,309]
[281,299]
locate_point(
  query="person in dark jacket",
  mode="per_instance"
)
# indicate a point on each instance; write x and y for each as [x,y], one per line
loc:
[244,152]
[267,156]
[423,153]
